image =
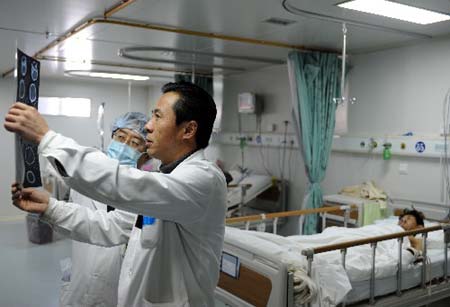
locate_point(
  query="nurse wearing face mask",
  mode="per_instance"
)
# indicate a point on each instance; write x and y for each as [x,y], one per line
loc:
[94,277]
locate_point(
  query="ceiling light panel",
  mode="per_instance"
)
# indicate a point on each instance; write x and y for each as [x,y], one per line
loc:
[106,75]
[395,10]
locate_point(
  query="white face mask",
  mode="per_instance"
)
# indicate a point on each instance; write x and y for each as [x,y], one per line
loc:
[124,153]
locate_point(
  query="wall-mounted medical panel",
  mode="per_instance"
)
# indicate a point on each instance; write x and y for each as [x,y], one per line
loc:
[413,146]
[256,139]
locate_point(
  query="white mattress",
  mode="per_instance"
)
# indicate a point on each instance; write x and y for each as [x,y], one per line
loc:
[257,185]
[344,199]
[287,250]
[411,277]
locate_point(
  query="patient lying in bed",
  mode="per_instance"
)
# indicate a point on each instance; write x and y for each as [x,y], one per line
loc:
[412,220]
[331,281]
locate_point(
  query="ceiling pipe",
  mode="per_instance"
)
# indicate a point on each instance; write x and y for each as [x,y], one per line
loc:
[76,29]
[212,35]
[147,26]
[119,6]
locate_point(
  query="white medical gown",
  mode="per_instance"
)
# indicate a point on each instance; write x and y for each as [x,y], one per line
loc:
[95,270]
[181,266]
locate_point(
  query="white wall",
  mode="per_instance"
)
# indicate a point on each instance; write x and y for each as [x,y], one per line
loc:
[272,85]
[397,90]
[154,92]
[115,95]
[83,130]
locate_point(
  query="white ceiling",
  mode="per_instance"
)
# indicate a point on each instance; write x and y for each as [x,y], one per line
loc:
[24,23]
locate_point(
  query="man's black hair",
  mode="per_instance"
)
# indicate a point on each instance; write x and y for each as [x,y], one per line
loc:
[194,103]
[419,216]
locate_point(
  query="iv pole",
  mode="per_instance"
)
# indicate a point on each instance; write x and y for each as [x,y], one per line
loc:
[343,99]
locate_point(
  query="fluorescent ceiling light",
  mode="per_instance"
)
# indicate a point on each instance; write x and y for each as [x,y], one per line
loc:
[395,10]
[106,75]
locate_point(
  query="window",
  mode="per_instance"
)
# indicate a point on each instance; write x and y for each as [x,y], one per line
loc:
[65,106]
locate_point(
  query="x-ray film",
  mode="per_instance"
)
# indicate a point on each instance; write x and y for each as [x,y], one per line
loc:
[27,159]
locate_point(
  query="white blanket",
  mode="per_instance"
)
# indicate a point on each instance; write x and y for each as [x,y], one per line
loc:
[331,281]
[280,249]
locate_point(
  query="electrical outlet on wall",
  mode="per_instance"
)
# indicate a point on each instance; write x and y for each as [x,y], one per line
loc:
[442,130]
[271,127]
[403,169]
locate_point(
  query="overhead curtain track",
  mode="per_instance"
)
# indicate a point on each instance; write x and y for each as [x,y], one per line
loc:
[127,65]
[141,25]
[127,53]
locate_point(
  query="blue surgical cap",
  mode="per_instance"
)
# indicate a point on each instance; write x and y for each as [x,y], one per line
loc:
[131,120]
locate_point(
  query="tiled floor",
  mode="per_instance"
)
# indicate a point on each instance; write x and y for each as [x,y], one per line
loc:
[30,273]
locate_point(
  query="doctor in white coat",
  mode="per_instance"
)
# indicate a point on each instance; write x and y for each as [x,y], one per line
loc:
[94,276]
[175,261]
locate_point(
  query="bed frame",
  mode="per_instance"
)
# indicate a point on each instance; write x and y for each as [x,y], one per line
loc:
[344,211]
[414,297]
[256,286]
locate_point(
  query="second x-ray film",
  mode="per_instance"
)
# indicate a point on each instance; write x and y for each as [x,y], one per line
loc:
[27,159]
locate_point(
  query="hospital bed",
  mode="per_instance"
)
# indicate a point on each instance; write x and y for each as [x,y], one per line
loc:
[265,280]
[261,281]
[246,186]
[250,194]
[367,210]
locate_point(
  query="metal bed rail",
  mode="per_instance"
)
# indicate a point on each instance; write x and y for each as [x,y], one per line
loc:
[310,252]
[300,213]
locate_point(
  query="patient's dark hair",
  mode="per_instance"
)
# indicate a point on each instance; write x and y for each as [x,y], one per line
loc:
[419,216]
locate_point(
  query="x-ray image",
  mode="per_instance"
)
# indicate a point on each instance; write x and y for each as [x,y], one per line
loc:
[32,94]
[30,158]
[22,89]
[23,66]
[34,70]
[27,159]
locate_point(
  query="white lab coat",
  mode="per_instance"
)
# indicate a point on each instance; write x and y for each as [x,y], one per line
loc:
[94,279]
[179,263]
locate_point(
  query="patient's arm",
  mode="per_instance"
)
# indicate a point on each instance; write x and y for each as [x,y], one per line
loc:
[416,243]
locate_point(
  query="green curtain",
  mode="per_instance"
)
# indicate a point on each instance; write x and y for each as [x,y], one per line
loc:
[314,80]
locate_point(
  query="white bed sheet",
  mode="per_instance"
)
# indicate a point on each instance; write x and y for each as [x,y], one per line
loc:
[411,277]
[332,281]
[258,184]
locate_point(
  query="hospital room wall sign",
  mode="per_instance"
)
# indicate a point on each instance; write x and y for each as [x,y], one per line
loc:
[420,147]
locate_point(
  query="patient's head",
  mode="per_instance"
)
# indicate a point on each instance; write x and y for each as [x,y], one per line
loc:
[411,219]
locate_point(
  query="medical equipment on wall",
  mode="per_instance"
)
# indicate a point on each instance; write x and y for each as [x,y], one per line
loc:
[249,104]
[343,99]
[387,151]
